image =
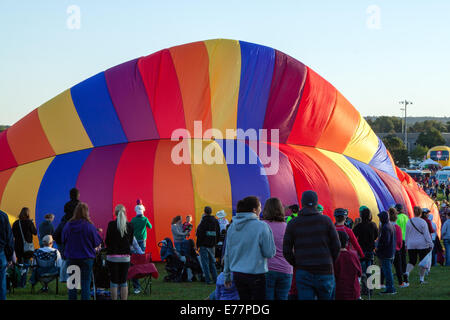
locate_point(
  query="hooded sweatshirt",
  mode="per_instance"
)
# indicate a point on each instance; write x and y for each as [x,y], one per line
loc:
[249,244]
[80,239]
[387,241]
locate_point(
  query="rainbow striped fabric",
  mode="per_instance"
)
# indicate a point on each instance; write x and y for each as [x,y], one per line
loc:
[110,136]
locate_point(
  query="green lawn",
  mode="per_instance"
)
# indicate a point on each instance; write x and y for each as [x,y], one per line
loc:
[438,287]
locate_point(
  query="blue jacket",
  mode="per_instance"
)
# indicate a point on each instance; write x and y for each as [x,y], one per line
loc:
[387,239]
[223,293]
[249,244]
[6,236]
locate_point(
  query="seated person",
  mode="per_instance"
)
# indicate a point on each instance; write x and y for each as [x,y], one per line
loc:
[47,260]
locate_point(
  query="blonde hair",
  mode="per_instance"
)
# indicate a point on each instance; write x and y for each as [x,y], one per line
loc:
[120,213]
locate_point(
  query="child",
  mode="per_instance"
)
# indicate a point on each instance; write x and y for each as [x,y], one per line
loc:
[223,293]
[187,226]
[347,270]
[341,216]
[223,222]
[139,208]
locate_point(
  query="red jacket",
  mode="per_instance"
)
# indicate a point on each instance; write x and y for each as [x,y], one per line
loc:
[353,243]
[347,269]
[398,237]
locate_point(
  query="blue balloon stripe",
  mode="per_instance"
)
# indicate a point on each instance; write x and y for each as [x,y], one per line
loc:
[96,111]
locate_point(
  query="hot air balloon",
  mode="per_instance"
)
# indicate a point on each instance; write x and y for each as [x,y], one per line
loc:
[111,136]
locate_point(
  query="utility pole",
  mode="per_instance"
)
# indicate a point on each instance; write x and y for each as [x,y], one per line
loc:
[405,103]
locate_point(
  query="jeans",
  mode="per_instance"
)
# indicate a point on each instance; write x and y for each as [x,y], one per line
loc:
[447,252]
[386,269]
[177,246]
[208,259]
[63,270]
[311,286]
[26,263]
[278,285]
[3,264]
[85,266]
[136,284]
[250,286]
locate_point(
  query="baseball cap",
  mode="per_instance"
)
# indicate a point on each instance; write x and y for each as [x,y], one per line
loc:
[340,212]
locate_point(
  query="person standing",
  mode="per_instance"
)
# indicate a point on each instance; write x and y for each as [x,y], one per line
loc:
[140,224]
[393,216]
[386,251]
[81,239]
[341,216]
[6,251]
[311,244]
[23,230]
[418,241]
[69,208]
[347,269]
[294,212]
[208,233]
[402,220]
[445,235]
[46,227]
[177,232]
[279,277]
[249,244]
[367,233]
[119,239]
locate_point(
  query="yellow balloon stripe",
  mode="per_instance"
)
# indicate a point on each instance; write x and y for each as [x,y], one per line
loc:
[360,184]
[22,189]
[224,79]
[210,179]
[364,143]
[62,125]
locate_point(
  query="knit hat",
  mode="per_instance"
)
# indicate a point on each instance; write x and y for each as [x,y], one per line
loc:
[309,199]
[362,208]
[138,201]
[221,214]
[319,208]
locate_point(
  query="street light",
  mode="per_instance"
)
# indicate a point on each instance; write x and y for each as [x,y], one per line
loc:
[405,103]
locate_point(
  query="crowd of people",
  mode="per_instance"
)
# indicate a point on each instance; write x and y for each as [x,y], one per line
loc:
[273,253]
[78,243]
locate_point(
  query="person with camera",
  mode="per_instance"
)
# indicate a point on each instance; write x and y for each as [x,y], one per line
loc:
[23,230]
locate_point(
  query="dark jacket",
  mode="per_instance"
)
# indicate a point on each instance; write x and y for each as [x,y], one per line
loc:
[69,208]
[28,229]
[208,232]
[6,236]
[311,242]
[387,240]
[45,228]
[80,238]
[115,244]
[366,232]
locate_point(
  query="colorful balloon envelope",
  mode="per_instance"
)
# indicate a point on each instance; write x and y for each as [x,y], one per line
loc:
[160,128]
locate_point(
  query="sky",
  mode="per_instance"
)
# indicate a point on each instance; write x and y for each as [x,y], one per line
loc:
[376,53]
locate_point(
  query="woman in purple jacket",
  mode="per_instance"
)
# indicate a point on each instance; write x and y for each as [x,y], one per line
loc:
[279,277]
[81,239]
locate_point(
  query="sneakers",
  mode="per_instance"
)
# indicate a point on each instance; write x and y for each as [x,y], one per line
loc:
[404,285]
[423,282]
[137,291]
[388,292]
[382,286]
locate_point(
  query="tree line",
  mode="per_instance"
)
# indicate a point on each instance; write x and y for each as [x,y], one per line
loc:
[430,135]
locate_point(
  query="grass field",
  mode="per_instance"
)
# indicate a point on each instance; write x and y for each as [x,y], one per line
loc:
[437,288]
